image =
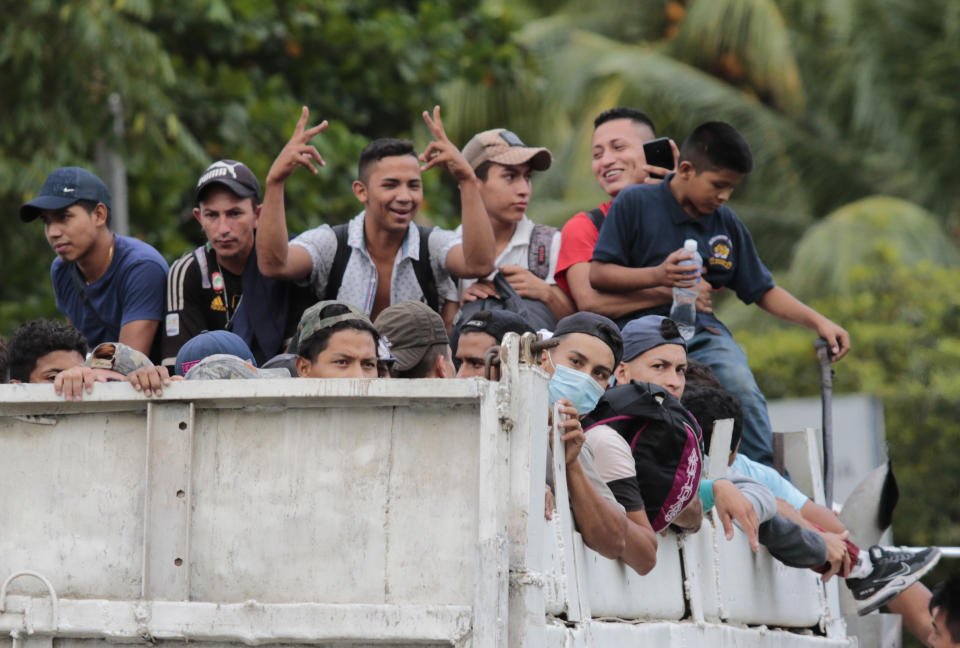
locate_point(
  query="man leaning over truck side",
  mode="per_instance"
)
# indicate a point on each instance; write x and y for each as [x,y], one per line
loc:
[381,257]
[580,367]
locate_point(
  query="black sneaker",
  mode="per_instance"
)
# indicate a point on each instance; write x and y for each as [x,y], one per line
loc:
[893,572]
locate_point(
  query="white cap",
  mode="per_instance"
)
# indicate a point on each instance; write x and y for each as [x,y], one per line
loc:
[690,245]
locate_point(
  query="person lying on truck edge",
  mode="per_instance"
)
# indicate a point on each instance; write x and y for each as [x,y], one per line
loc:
[381,257]
[417,338]
[618,162]
[580,368]
[526,251]
[109,286]
[46,351]
[875,577]
[662,361]
[945,610]
[654,353]
[218,286]
[336,340]
[473,336]
[638,247]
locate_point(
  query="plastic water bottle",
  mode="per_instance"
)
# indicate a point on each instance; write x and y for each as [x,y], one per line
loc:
[684,309]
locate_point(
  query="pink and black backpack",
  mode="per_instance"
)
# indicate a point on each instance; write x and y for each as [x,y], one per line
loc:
[666,443]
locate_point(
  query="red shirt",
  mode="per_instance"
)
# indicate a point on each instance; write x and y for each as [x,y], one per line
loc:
[577,239]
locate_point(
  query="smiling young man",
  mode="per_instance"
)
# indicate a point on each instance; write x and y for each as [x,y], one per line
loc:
[618,162]
[640,245]
[218,286]
[110,287]
[381,257]
[526,252]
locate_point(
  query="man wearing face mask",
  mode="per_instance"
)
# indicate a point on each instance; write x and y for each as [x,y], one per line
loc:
[580,367]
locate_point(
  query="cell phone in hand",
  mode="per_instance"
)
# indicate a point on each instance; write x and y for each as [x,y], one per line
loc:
[659,153]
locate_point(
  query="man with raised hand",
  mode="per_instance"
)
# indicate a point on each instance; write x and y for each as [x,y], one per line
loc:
[381,257]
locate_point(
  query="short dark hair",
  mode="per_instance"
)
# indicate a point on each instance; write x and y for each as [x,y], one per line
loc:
[36,339]
[317,343]
[711,404]
[946,596]
[422,368]
[90,205]
[699,373]
[622,112]
[483,170]
[717,145]
[379,149]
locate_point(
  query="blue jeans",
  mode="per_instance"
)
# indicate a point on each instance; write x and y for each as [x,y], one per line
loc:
[729,365]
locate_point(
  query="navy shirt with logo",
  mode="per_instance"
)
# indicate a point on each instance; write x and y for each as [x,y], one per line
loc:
[646,224]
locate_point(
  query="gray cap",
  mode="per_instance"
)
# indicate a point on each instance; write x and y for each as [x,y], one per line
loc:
[222,366]
[119,357]
[645,333]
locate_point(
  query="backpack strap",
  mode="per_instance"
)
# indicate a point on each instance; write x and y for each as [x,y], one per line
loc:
[596,217]
[200,254]
[424,271]
[78,285]
[335,278]
[538,256]
[633,444]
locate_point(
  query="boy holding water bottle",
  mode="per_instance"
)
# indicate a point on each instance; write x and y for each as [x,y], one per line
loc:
[638,248]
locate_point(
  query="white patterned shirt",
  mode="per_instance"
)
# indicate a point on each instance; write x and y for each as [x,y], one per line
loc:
[517,253]
[359,284]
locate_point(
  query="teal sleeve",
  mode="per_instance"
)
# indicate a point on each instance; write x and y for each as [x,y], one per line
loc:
[706,494]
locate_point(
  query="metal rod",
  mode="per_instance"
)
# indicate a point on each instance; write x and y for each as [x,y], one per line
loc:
[945,552]
[826,398]
[490,358]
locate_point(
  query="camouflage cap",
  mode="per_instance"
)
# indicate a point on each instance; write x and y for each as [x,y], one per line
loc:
[119,357]
[222,366]
[311,322]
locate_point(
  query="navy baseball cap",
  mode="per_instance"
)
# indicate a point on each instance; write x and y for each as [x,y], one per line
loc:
[211,343]
[64,187]
[644,333]
[234,175]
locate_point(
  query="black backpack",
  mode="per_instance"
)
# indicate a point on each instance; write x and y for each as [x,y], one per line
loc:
[665,440]
[421,266]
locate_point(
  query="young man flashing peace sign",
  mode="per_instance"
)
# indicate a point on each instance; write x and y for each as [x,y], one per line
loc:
[381,257]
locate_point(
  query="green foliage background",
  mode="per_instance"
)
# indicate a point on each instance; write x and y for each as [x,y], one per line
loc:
[842,102]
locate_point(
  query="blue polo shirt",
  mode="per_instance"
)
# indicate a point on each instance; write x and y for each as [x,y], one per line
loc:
[646,223]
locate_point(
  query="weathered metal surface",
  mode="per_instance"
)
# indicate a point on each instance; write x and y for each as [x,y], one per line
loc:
[340,512]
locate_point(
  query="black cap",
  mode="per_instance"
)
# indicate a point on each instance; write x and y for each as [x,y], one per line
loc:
[234,175]
[492,322]
[596,325]
[64,187]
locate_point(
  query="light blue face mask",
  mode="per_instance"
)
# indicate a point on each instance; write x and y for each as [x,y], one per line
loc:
[577,387]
